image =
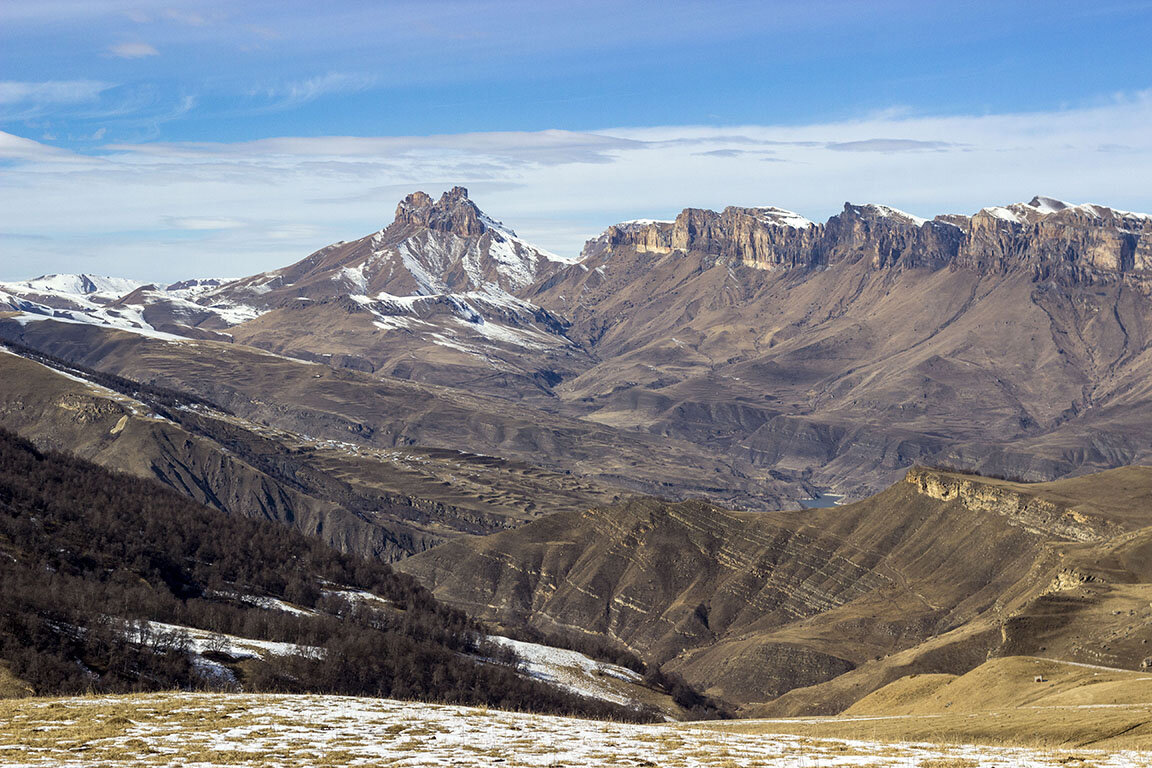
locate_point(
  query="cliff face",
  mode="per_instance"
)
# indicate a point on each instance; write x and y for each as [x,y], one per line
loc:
[1017,503]
[1048,237]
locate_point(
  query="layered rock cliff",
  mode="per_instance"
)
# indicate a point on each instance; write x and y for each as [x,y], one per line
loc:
[1050,237]
[1046,236]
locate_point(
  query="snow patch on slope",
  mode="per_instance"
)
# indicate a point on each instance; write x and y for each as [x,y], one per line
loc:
[770,214]
[895,213]
[201,640]
[571,670]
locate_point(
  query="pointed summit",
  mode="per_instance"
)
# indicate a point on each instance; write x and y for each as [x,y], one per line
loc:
[453,212]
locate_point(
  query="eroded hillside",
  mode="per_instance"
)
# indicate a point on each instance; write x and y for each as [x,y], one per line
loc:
[805,612]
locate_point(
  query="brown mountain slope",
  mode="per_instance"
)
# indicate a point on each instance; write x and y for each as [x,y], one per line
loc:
[1013,341]
[320,402]
[385,504]
[932,575]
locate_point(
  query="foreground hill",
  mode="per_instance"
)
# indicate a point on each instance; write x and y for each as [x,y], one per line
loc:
[807,612]
[110,584]
[319,730]
[1011,700]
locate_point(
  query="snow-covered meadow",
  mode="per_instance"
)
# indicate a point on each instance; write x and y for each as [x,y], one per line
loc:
[271,730]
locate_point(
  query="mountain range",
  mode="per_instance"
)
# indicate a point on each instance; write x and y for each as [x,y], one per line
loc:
[621,444]
[829,355]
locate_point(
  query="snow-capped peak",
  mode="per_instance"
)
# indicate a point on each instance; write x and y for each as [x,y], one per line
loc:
[1002,213]
[80,285]
[1047,205]
[1041,207]
[888,211]
[770,214]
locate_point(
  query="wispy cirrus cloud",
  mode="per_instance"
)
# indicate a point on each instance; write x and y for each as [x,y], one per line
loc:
[888,145]
[136,50]
[202,224]
[507,149]
[301,92]
[51,91]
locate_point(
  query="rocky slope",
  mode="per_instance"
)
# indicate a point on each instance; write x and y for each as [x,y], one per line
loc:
[375,502]
[805,612]
[523,461]
[1012,341]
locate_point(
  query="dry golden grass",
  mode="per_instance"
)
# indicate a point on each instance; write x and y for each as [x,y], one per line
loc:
[290,731]
[12,687]
[1112,728]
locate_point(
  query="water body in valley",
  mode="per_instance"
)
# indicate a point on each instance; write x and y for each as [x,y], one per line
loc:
[823,501]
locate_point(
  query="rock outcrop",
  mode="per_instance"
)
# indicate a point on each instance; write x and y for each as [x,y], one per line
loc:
[1049,237]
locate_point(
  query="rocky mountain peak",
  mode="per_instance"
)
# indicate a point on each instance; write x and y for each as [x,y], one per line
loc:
[453,212]
[417,201]
[1051,204]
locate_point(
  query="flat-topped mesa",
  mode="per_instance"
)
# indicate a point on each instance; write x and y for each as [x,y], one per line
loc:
[762,237]
[1049,237]
[453,212]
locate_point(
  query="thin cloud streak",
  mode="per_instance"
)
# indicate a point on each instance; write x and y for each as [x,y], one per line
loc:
[888,145]
[132,50]
[52,91]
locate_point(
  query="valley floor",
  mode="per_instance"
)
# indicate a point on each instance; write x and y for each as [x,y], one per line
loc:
[275,730]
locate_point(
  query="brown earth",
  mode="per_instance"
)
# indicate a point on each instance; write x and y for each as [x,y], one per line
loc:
[385,503]
[800,613]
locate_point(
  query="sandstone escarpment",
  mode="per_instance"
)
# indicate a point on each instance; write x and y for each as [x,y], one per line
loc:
[758,237]
[1013,501]
[1049,238]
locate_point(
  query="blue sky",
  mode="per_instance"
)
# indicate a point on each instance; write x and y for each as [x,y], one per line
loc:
[164,139]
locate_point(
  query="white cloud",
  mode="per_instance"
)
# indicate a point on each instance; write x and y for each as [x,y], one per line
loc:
[15,148]
[133,50]
[296,194]
[51,91]
[197,224]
